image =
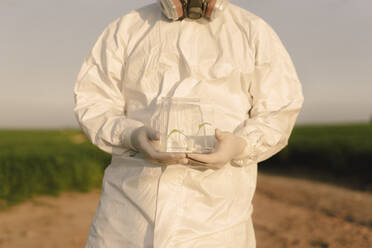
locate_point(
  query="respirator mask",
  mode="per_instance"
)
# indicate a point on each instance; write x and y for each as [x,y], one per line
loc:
[193,9]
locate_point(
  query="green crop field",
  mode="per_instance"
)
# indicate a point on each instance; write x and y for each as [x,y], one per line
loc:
[336,151]
[49,162]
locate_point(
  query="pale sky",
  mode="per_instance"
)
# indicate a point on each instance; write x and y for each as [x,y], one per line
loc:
[43,44]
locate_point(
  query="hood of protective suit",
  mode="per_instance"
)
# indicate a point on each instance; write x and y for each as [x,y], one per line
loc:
[240,71]
[193,9]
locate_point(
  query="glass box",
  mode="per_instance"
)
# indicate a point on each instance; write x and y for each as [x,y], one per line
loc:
[182,127]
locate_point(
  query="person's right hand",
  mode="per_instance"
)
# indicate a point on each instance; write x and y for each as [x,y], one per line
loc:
[146,139]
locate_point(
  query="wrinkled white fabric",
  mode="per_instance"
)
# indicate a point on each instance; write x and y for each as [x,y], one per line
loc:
[239,69]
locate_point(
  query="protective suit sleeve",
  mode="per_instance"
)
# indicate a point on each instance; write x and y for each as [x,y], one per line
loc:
[276,98]
[99,98]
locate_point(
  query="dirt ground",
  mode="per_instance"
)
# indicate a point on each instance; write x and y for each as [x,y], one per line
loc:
[288,213]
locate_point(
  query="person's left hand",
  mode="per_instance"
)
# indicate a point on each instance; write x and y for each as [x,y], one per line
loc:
[228,147]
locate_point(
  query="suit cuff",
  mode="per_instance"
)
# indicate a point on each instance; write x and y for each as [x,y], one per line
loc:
[248,155]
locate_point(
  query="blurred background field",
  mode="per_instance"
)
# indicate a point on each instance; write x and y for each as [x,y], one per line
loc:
[47,162]
[339,154]
[52,161]
[315,193]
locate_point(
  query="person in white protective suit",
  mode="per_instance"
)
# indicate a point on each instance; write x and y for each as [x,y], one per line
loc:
[236,64]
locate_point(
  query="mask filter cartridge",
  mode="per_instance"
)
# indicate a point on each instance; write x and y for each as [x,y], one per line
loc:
[195,9]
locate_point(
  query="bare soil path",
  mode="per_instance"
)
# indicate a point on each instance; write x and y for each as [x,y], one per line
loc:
[288,213]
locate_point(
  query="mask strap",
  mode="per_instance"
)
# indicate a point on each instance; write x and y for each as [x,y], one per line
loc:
[209,8]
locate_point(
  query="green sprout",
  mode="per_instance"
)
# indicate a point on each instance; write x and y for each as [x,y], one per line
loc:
[180,132]
[202,125]
[176,131]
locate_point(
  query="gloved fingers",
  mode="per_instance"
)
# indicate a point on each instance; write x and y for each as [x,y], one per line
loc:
[210,158]
[213,166]
[147,147]
[168,158]
[220,135]
[147,143]
[156,144]
[195,162]
[169,155]
[184,161]
[152,134]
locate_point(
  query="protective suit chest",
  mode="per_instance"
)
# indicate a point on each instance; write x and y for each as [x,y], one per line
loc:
[214,53]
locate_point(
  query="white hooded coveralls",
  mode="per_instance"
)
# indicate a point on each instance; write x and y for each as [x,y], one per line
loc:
[238,67]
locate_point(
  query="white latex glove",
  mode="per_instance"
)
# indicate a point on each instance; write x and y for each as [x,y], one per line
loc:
[229,146]
[146,140]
